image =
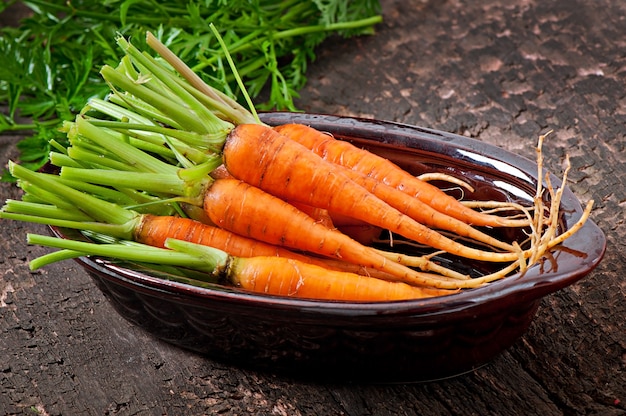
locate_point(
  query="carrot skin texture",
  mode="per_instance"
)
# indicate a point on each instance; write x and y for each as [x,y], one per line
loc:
[364,234]
[249,211]
[155,229]
[318,214]
[423,213]
[287,277]
[385,171]
[264,158]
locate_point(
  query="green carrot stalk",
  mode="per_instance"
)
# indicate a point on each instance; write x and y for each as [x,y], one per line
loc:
[126,151]
[86,158]
[164,145]
[44,210]
[190,108]
[163,183]
[172,98]
[53,200]
[65,197]
[209,142]
[210,260]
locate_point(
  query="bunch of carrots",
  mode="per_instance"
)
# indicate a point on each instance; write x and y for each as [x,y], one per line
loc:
[170,172]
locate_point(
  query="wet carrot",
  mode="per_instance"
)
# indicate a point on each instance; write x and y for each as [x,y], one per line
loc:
[264,158]
[385,171]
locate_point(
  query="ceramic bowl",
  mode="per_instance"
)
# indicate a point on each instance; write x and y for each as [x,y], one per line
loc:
[404,341]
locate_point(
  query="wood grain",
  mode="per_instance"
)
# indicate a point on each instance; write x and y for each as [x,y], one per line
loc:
[500,71]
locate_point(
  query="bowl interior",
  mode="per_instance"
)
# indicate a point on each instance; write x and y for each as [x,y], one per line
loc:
[494,174]
[413,340]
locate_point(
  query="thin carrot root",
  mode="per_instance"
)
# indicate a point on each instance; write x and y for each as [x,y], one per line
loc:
[424,263]
[543,235]
[510,211]
[438,176]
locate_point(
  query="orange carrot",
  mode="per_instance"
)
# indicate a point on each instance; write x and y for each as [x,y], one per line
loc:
[385,171]
[249,211]
[266,159]
[103,217]
[363,233]
[287,277]
[358,230]
[267,275]
[154,230]
[422,212]
[318,214]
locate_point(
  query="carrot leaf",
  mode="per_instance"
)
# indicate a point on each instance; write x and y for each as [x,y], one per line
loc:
[140,252]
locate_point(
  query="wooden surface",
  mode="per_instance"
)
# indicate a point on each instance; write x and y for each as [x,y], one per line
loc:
[499,71]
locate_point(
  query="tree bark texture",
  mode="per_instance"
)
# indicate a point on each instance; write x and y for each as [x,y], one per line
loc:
[502,72]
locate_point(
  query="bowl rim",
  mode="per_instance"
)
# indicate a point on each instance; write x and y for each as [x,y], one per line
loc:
[535,284]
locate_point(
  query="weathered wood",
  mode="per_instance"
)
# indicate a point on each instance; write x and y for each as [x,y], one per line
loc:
[502,72]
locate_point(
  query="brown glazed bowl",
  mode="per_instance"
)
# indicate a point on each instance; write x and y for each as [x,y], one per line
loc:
[404,341]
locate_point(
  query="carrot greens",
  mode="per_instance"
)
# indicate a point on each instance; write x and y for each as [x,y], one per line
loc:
[52,57]
[168,161]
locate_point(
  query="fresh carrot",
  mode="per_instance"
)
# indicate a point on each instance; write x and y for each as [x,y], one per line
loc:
[341,152]
[320,215]
[179,117]
[457,217]
[372,166]
[238,207]
[264,158]
[164,179]
[383,170]
[154,230]
[267,275]
[76,209]
[424,213]
[231,204]
[244,209]
[286,277]
[242,164]
[196,101]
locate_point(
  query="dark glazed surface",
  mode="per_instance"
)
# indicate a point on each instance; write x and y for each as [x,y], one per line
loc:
[501,72]
[408,341]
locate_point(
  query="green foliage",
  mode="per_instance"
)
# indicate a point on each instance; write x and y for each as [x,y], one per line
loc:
[51,59]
